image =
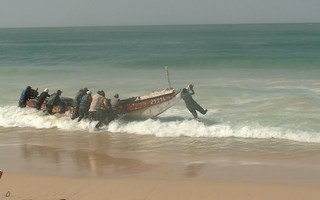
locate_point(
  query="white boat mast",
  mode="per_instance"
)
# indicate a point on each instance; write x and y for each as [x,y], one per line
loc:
[168,78]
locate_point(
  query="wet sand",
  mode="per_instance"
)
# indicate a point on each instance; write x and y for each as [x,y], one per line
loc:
[56,165]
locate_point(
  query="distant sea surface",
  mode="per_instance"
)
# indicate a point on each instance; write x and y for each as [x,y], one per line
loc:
[259,82]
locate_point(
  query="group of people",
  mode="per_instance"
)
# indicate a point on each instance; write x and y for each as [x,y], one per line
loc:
[29,93]
[95,107]
[85,105]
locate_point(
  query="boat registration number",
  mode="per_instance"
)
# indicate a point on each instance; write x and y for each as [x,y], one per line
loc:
[157,100]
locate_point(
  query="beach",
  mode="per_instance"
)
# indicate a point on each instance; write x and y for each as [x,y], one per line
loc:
[114,166]
[18,187]
[259,139]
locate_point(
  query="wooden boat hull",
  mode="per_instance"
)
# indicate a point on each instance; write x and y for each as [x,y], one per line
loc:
[65,106]
[142,107]
[150,105]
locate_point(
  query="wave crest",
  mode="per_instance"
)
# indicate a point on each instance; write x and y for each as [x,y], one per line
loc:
[12,116]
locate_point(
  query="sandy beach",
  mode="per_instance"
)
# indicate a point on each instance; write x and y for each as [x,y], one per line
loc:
[51,165]
[259,139]
[23,187]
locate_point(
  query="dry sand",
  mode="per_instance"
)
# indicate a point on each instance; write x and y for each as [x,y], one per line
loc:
[33,187]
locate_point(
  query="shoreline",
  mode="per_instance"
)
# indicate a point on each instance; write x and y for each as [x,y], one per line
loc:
[21,186]
[46,164]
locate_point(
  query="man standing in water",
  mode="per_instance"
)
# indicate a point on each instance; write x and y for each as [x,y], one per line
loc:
[114,110]
[102,109]
[192,105]
[84,106]
[76,102]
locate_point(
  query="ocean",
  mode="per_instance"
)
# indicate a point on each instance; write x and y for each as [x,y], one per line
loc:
[259,82]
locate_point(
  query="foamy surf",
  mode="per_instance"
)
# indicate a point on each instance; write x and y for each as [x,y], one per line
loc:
[11,116]
[167,126]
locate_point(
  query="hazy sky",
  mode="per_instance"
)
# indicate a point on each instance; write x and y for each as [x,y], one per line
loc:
[47,13]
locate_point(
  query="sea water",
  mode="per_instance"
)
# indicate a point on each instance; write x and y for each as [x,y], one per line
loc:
[259,82]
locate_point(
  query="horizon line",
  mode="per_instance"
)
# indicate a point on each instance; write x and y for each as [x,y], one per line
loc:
[88,26]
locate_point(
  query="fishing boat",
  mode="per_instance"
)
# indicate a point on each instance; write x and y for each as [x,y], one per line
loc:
[141,107]
[149,105]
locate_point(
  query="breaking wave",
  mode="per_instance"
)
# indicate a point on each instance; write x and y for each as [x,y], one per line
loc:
[12,116]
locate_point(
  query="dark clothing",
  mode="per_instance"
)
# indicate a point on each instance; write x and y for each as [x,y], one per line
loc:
[114,111]
[84,107]
[41,99]
[49,109]
[76,103]
[101,116]
[54,99]
[86,101]
[93,116]
[24,97]
[191,104]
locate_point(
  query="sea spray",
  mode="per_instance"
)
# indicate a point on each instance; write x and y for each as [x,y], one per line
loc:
[11,116]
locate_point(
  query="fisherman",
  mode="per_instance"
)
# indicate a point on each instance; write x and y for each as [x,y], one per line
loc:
[41,98]
[54,99]
[84,106]
[94,106]
[114,104]
[102,111]
[76,102]
[191,104]
[24,97]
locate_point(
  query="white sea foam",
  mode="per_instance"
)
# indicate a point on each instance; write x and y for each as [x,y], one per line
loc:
[12,116]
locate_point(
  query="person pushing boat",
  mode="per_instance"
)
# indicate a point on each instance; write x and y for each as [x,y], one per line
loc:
[42,97]
[53,100]
[191,104]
